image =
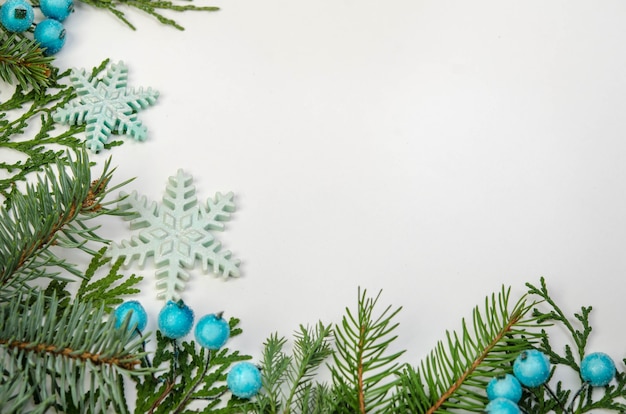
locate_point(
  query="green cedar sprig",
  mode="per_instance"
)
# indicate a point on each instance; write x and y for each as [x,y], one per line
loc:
[22,62]
[189,373]
[153,8]
[25,109]
[563,400]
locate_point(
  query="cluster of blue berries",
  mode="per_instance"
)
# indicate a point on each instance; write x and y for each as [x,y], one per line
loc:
[18,16]
[532,369]
[212,331]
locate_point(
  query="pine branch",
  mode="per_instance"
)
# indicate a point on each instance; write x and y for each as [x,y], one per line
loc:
[22,61]
[68,360]
[153,8]
[363,373]
[54,211]
[456,372]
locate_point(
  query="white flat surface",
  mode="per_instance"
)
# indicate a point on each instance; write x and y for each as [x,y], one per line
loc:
[432,149]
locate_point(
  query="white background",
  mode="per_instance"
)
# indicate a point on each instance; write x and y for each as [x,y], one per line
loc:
[432,149]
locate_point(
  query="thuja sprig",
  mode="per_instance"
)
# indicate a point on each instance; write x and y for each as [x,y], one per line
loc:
[28,108]
[561,400]
[151,7]
[188,373]
[454,375]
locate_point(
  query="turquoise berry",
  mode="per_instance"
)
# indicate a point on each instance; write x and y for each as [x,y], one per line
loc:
[598,369]
[505,386]
[212,332]
[51,36]
[16,15]
[502,406]
[532,368]
[175,319]
[138,316]
[56,9]
[244,380]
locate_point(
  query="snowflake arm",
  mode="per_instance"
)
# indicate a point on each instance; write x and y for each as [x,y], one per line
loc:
[177,234]
[106,105]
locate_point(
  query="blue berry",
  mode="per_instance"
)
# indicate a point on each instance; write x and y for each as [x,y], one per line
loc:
[51,36]
[138,316]
[506,386]
[502,406]
[175,319]
[532,368]
[56,9]
[16,15]
[212,332]
[598,369]
[244,380]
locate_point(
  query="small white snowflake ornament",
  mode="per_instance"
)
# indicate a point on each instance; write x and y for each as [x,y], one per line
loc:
[176,233]
[106,105]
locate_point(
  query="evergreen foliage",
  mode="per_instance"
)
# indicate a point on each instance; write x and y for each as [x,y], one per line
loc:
[22,62]
[189,373]
[68,361]
[562,400]
[54,211]
[363,372]
[288,379]
[455,374]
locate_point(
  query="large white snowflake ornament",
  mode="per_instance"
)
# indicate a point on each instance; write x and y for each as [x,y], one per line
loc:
[176,233]
[106,105]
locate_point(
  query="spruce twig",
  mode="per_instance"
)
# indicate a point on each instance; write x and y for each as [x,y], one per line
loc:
[22,61]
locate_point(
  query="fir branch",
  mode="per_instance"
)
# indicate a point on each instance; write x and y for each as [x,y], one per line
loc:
[456,372]
[280,372]
[22,61]
[53,211]
[69,360]
[153,8]
[363,373]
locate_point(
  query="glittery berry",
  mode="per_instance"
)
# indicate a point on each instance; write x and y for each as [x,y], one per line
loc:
[51,36]
[56,9]
[212,332]
[532,368]
[598,369]
[502,406]
[505,386]
[244,380]
[138,316]
[175,319]
[16,15]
